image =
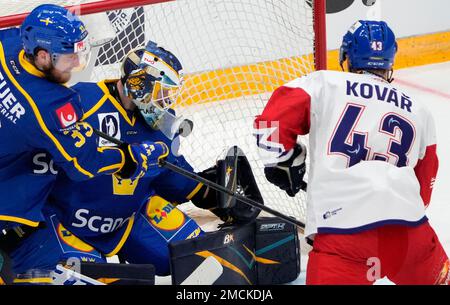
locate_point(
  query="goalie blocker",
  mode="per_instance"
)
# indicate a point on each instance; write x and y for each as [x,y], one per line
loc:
[265,251]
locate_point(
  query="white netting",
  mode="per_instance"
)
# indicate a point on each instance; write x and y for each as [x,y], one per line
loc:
[234,54]
[12,7]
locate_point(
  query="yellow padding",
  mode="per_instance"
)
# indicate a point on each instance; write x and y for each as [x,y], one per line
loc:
[107,281]
[412,51]
[46,280]
[423,50]
[239,81]
[19,220]
[265,77]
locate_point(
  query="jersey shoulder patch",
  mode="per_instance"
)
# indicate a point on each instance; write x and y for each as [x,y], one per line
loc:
[66,111]
[66,115]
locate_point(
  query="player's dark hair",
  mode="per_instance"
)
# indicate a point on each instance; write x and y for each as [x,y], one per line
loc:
[32,57]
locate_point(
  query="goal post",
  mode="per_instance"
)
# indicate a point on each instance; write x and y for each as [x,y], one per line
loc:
[234,54]
[320,37]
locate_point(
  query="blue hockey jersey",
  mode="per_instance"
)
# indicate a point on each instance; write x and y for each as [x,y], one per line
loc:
[101,211]
[38,117]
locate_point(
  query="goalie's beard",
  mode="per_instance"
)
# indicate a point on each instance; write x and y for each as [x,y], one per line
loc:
[54,75]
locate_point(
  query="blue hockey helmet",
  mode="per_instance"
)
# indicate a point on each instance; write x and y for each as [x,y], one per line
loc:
[152,79]
[54,29]
[368,45]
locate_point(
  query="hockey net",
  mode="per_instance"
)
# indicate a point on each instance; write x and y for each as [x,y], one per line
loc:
[234,54]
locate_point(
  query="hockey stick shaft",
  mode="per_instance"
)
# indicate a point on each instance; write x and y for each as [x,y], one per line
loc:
[223,189]
[108,137]
[213,185]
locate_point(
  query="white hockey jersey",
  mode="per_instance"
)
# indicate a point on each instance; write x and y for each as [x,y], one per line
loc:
[372,149]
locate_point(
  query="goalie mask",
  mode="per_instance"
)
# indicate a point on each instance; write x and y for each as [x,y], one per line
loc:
[152,79]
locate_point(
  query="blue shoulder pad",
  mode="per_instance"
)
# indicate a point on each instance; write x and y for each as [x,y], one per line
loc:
[90,94]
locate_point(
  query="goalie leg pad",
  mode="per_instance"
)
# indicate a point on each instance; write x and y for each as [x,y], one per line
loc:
[277,241]
[231,247]
[266,251]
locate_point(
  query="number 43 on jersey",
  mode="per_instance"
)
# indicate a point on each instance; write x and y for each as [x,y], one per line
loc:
[352,144]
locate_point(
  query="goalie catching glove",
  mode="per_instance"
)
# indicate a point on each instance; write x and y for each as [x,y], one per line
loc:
[288,175]
[234,173]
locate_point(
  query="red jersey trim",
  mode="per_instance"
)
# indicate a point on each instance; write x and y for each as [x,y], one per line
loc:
[426,170]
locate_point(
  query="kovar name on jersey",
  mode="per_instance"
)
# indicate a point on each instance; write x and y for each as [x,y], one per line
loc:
[385,94]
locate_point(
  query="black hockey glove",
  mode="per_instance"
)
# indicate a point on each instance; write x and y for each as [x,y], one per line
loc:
[288,175]
[206,198]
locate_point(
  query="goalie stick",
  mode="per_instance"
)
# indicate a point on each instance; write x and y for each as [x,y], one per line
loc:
[213,185]
[63,275]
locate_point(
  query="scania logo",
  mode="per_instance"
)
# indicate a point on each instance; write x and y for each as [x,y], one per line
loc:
[97,223]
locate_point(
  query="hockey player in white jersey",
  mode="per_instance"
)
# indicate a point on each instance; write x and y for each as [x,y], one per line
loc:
[373,163]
